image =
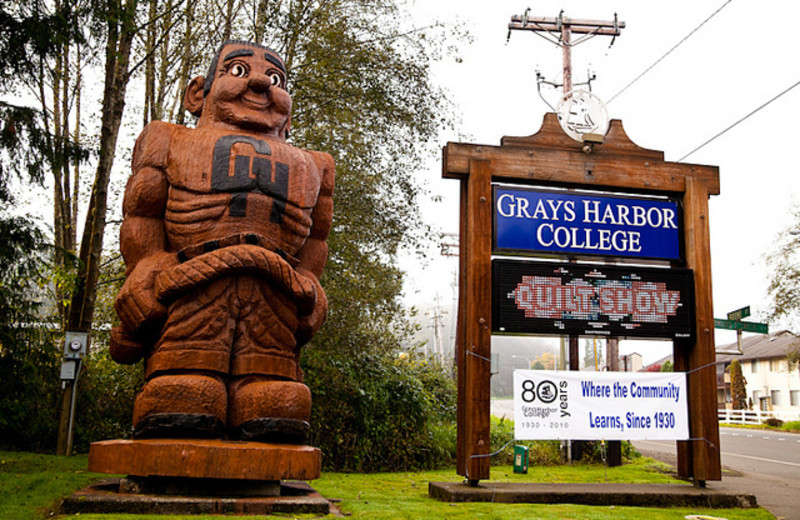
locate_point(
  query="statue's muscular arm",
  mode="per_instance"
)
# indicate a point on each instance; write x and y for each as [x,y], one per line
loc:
[314,253]
[142,236]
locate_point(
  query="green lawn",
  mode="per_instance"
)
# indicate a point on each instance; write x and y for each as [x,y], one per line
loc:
[788,427]
[31,486]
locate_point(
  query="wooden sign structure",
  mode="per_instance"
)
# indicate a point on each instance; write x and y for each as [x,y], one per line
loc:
[551,158]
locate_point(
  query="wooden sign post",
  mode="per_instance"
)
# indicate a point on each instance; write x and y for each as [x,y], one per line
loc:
[551,158]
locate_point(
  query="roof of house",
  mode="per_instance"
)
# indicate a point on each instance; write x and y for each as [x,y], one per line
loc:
[761,346]
[755,346]
[659,362]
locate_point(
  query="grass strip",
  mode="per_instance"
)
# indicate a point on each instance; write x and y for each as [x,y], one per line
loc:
[31,486]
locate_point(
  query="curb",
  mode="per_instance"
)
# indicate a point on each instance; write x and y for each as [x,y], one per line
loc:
[641,495]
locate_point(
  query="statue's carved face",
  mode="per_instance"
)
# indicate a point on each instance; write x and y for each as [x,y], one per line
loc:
[248,91]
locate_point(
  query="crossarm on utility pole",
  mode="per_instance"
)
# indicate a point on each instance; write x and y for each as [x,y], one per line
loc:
[564,27]
[541,23]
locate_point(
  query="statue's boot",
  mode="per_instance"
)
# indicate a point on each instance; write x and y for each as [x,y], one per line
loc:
[268,411]
[181,406]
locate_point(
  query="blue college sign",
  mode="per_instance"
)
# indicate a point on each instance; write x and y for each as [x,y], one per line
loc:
[536,221]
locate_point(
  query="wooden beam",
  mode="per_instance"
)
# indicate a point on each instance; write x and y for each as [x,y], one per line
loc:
[553,25]
[461,335]
[704,427]
[551,157]
[546,27]
[575,168]
[474,392]
[541,20]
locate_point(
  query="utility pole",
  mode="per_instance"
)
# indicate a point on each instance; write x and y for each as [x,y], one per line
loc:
[437,315]
[560,30]
[612,362]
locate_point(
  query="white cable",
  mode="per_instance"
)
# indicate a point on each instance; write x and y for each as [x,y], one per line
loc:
[648,69]
[739,121]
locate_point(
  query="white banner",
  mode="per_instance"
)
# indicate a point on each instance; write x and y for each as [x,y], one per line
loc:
[600,405]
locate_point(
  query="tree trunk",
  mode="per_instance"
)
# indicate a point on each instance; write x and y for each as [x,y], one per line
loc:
[121,32]
[149,67]
[77,140]
[178,113]
[228,20]
[164,64]
[118,49]
[260,21]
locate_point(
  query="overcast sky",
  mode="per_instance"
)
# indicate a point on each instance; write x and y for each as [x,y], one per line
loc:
[737,61]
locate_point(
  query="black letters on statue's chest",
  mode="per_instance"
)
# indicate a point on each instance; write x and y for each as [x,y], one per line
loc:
[250,172]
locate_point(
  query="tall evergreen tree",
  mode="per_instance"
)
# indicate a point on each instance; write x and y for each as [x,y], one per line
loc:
[28,147]
[738,386]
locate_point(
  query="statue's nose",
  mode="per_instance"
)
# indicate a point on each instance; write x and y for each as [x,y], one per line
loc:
[259,83]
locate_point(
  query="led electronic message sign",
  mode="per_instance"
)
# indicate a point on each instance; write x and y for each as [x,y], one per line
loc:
[529,221]
[578,299]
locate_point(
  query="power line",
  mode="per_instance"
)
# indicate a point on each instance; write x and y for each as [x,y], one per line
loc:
[659,60]
[739,121]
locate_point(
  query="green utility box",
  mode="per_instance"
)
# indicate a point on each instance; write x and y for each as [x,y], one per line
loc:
[520,459]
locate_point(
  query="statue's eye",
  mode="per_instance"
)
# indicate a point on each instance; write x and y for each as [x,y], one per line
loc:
[237,70]
[275,79]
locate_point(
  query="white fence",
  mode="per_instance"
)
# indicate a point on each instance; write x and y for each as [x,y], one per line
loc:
[754,416]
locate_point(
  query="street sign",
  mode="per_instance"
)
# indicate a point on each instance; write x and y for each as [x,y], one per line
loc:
[746,326]
[739,314]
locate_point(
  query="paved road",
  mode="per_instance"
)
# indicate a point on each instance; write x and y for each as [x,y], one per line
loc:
[764,463]
[503,408]
[768,462]
[759,451]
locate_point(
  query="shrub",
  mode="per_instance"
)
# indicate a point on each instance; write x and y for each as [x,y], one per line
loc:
[540,453]
[791,426]
[29,352]
[773,422]
[546,452]
[30,386]
[596,451]
[29,415]
[376,413]
[106,391]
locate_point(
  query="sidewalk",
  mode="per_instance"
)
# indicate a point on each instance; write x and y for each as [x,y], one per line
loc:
[774,495]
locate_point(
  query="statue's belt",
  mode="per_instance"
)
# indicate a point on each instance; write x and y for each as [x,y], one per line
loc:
[237,258]
[254,239]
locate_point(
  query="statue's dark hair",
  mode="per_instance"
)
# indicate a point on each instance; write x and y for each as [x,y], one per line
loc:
[212,69]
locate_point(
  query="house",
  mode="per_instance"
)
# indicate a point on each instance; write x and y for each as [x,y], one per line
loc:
[630,362]
[771,386]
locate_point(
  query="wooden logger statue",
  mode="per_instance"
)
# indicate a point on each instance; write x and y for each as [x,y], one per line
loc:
[224,239]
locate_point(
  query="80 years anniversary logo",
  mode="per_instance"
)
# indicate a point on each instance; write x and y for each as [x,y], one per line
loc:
[551,398]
